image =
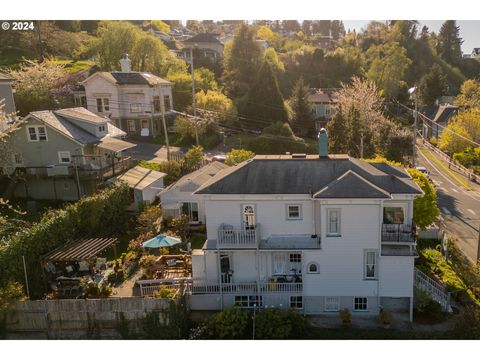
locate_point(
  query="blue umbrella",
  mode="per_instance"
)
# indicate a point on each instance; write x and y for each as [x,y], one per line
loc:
[160,241]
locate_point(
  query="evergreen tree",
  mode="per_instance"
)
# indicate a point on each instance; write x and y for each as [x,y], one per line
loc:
[241,60]
[432,86]
[302,121]
[449,42]
[264,103]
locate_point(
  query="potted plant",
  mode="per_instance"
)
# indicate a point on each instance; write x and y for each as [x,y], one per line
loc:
[345,316]
[386,318]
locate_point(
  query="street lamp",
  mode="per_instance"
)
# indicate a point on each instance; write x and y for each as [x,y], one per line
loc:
[413,93]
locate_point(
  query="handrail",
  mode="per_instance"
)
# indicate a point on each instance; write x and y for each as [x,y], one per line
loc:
[437,292]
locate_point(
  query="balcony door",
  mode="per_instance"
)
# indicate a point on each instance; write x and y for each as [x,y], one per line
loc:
[248,216]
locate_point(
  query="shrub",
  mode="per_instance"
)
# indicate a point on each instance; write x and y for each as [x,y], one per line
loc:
[345,316]
[147,261]
[150,219]
[433,141]
[165,293]
[181,226]
[427,310]
[172,168]
[272,324]
[236,156]
[385,316]
[467,325]
[233,323]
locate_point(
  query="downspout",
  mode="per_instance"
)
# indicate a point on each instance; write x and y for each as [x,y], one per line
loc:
[219,278]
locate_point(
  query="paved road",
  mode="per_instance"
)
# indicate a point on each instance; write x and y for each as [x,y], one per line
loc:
[150,152]
[460,207]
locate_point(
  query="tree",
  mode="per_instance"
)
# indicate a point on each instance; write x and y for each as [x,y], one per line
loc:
[193,158]
[237,156]
[449,43]
[40,86]
[425,209]
[469,96]
[388,63]
[242,57]
[216,106]
[454,138]
[302,121]
[160,26]
[264,102]
[432,86]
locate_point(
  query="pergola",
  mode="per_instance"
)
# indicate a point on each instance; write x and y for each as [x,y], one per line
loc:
[81,250]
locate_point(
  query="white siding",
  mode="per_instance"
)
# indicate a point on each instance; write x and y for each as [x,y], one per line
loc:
[396,276]
[174,196]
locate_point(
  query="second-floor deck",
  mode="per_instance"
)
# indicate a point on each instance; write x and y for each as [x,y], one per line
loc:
[398,233]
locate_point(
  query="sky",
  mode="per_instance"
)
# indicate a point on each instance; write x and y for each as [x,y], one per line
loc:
[469,30]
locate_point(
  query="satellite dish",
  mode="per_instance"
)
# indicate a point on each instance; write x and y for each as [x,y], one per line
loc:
[145,132]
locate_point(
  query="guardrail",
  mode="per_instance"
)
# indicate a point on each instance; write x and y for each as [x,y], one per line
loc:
[437,292]
[232,238]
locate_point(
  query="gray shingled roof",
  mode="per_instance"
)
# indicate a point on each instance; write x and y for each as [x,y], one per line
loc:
[284,175]
[194,180]
[137,78]
[203,38]
[61,121]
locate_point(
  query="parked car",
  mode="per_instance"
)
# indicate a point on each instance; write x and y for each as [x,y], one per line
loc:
[423,170]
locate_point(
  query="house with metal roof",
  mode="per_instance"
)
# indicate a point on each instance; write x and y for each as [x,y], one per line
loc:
[315,233]
[63,154]
[136,102]
[179,198]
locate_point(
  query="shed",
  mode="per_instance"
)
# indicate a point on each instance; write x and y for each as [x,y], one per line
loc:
[144,184]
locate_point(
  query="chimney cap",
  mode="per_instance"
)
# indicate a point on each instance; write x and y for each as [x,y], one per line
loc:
[322,131]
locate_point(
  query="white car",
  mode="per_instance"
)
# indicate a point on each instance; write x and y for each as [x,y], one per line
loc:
[423,170]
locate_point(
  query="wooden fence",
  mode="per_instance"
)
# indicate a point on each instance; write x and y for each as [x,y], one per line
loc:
[79,318]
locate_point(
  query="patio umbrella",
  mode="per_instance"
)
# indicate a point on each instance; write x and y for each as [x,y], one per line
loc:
[160,241]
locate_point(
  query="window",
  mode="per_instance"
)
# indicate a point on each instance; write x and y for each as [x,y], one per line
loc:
[370,265]
[333,222]
[103,104]
[393,215]
[248,301]
[360,304]
[294,212]
[248,217]
[64,157]
[37,133]
[101,128]
[313,268]
[332,303]
[156,104]
[295,262]
[295,258]
[81,101]
[191,210]
[135,108]
[166,102]
[145,124]
[296,302]
[130,125]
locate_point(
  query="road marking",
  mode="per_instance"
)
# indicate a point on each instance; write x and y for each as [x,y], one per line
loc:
[471,211]
[453,189]
[445,210]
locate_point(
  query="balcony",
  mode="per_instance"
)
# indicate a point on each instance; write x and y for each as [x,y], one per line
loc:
[398,234]
[230,238]
[246,288]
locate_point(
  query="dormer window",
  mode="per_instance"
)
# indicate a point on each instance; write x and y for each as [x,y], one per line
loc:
[102,128]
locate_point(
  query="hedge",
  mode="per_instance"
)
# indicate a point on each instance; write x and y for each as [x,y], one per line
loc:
[95,215]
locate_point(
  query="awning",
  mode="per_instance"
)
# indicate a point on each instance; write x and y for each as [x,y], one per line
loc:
[114,144]
[82,250]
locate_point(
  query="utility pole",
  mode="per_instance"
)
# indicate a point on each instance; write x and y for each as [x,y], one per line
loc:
[412,92]
[194,105]
[162,107]
[478,246]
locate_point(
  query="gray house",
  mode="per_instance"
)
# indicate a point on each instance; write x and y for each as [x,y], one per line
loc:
[63,155]
[6,94]
[323,104]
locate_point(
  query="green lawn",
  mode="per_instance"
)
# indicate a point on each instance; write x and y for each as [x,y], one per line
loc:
[12,57]
[72,66]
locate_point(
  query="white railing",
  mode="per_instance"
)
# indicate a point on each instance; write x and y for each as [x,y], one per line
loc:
[437,292]
[232,238]
[281,287]
[149,286]
[398,233]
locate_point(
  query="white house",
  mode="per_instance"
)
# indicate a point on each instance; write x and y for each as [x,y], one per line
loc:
[178,198]
[313,232]
[135,101]
[144,185]
[324,105]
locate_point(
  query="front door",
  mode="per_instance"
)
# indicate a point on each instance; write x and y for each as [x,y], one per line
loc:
[225,268]
[145,124]
[249,217]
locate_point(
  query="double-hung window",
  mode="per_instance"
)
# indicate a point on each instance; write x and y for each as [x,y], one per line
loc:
[131,125]
[248,301]
[296,302]
[332,303]
[166,102]
[37,133]
[333,222]
[103,104]
[294,212]
[370,260]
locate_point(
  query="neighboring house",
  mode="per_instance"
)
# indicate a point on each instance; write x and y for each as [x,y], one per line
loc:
[475,53]
[144,185]
[63,154]
[316,233]
[208,44]
[323,104]
[440,116]
[178,198]
[134,101]
[6,93]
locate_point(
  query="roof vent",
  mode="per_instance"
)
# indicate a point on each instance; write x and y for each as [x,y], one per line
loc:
[299,156]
